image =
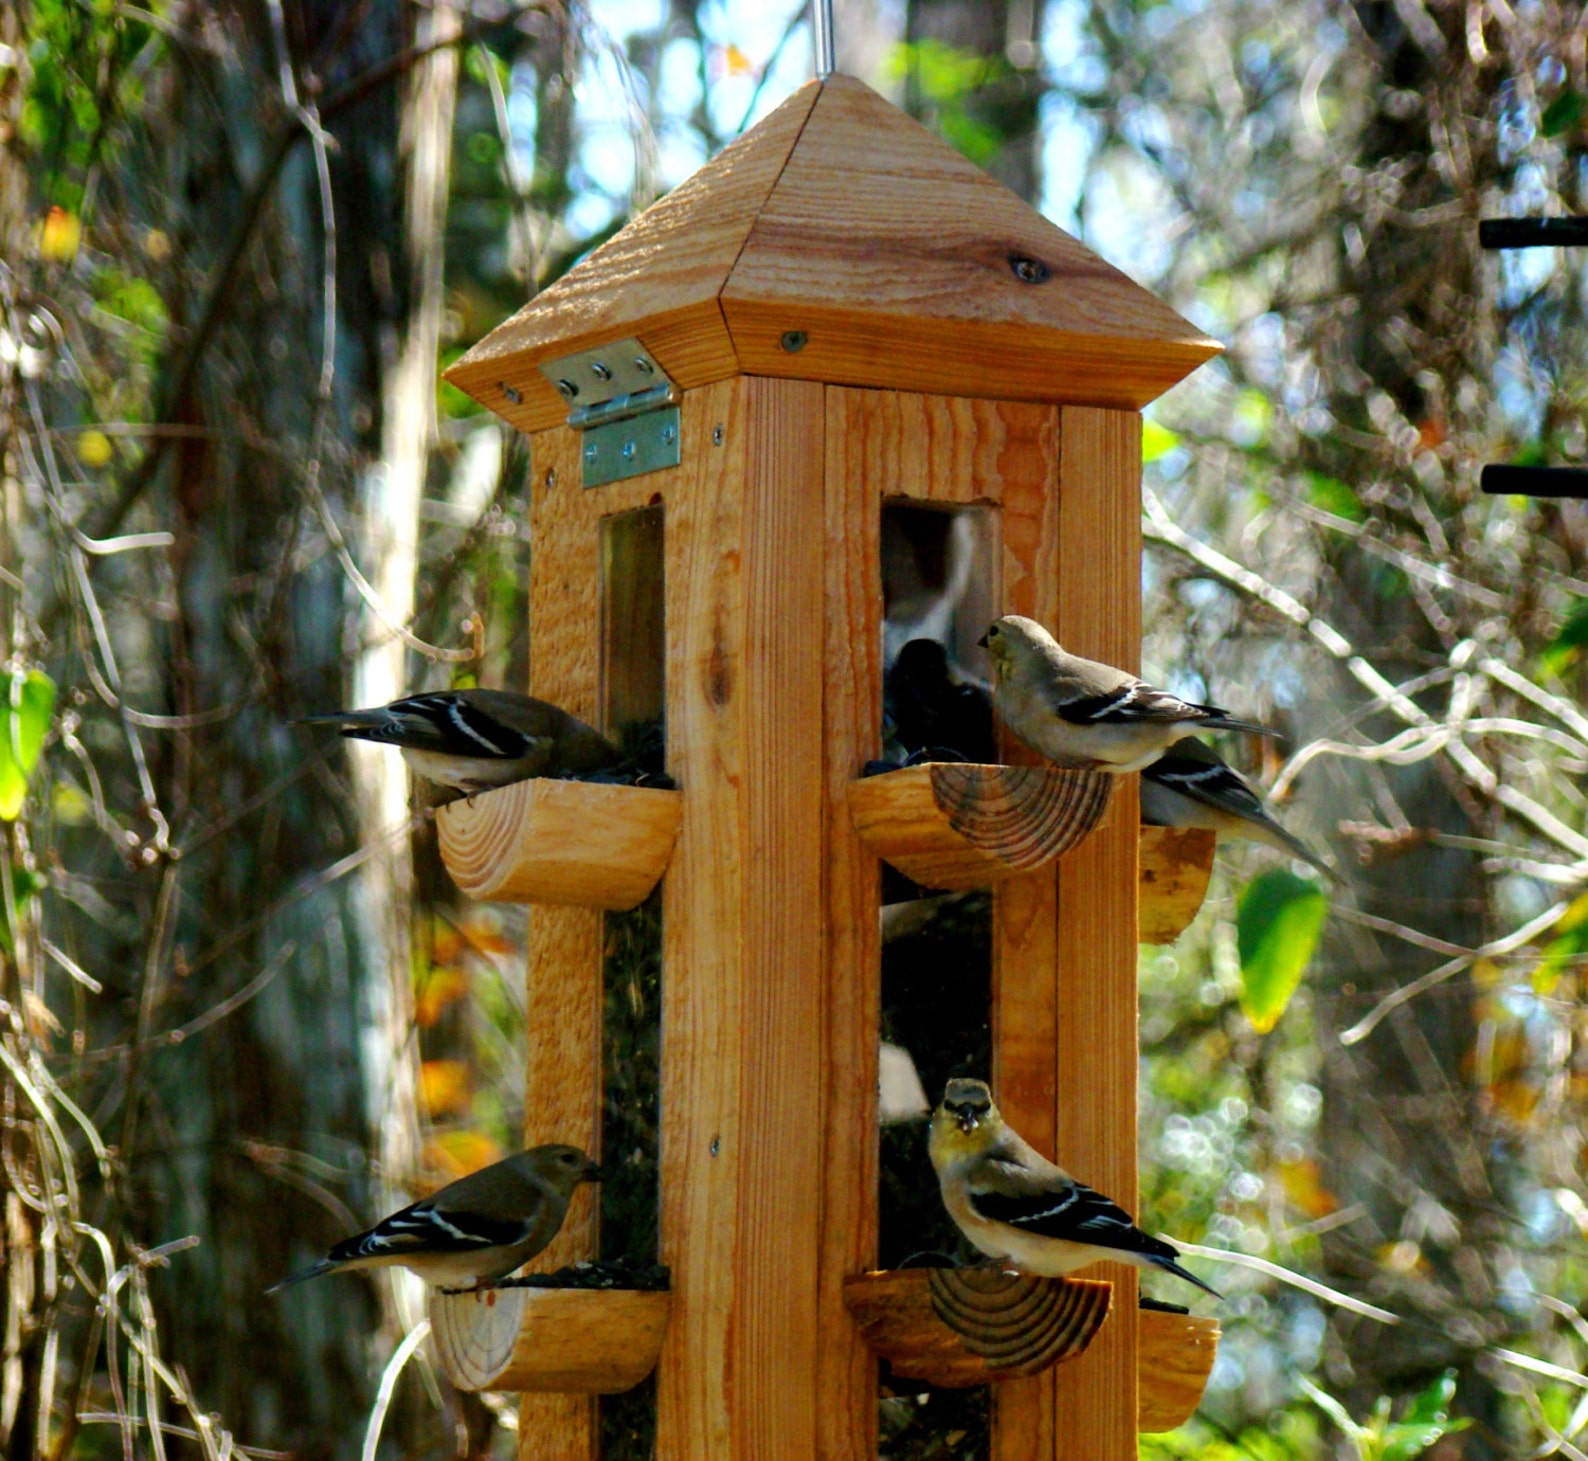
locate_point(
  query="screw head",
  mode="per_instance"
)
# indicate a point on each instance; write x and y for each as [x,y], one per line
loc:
[600,371]
[567,389]
[669,434]
[590,452]
[716,436]
[628,451]
[1028,270]
[793,341]
[511,392]
[551,478]
[644,366]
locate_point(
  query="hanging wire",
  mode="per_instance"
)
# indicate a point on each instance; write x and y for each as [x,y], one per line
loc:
[822,30]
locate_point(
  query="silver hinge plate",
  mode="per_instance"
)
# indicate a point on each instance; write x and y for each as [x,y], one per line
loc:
[622,402]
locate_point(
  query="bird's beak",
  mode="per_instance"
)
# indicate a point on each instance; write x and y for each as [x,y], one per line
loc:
[982,641]
[592,1172]
[967,1122]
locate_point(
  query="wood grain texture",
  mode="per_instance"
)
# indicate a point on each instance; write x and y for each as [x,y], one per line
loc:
[852,728]
[1174,866]
[590,1341]
[743,920]
[892,252]
[1098,614]
[703,960]
[962,1327]
[952,825]
[658,278]
[565,842]
[840,216]
[1177,1353]
[784,919]
[562,1084]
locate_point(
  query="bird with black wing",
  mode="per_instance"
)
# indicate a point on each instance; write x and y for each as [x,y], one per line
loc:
[474,1231]
[1078,712]
[1192,786]
[1017,1207]
[473,740]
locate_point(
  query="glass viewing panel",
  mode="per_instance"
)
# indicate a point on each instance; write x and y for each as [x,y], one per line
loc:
[939,591]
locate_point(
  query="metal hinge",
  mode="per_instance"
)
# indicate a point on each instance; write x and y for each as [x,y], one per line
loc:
[622,402]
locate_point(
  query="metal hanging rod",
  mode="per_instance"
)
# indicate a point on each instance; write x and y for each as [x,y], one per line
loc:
[822,32]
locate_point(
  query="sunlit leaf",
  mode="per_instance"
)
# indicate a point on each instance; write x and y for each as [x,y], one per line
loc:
[1157,441]
[1302,1181]
[27,717]
[1563,649]
[1278,920]
[437,989]
[445,1087]
[1562,114]
[59,236]
[1334,496]
[457,1153]
[93,449]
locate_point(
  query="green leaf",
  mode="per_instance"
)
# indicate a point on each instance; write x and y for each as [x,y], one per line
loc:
[1334,496]
[1562,114]
[1278,920]
[1569,640]
[1157,441]
[27,717]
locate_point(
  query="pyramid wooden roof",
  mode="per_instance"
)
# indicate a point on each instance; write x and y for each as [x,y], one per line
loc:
[904,265]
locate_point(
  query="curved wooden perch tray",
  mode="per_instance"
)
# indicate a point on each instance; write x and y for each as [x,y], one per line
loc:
[1174,1357]
[586,843]
[1174,865]
[592,1341]
[969,1326]
[952,825]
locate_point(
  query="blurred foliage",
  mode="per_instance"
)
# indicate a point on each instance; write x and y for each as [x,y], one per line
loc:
[1278,920]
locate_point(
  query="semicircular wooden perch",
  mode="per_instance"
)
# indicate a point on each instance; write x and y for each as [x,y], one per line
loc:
[949,824]
[591,1341]
[959,1327]
[591,844]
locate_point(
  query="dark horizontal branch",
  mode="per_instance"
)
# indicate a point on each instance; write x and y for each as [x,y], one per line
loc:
[1532,233]
[1502,481]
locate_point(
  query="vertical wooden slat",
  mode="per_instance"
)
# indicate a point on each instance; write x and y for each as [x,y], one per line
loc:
[703,966]
[1099,615]
[562,1087]
[847,1373]
[783,922]
[742,1033]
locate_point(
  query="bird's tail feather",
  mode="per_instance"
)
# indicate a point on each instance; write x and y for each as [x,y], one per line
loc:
[1168,1265]
[314,1270]
[1227,722]
[1297,848]
[345,718]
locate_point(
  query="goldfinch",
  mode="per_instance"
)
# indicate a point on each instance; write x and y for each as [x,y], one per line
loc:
[1077,712]
[475,739]
[1017,1207]
[474,1231]
[1192,786]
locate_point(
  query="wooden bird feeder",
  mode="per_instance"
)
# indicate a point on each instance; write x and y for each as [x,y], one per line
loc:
[835,316]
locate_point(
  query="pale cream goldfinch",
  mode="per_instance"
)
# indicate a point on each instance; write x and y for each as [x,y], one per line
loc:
[1191,786]
[1077,712]
[476,739]
[1018,1208]
[473,1231]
